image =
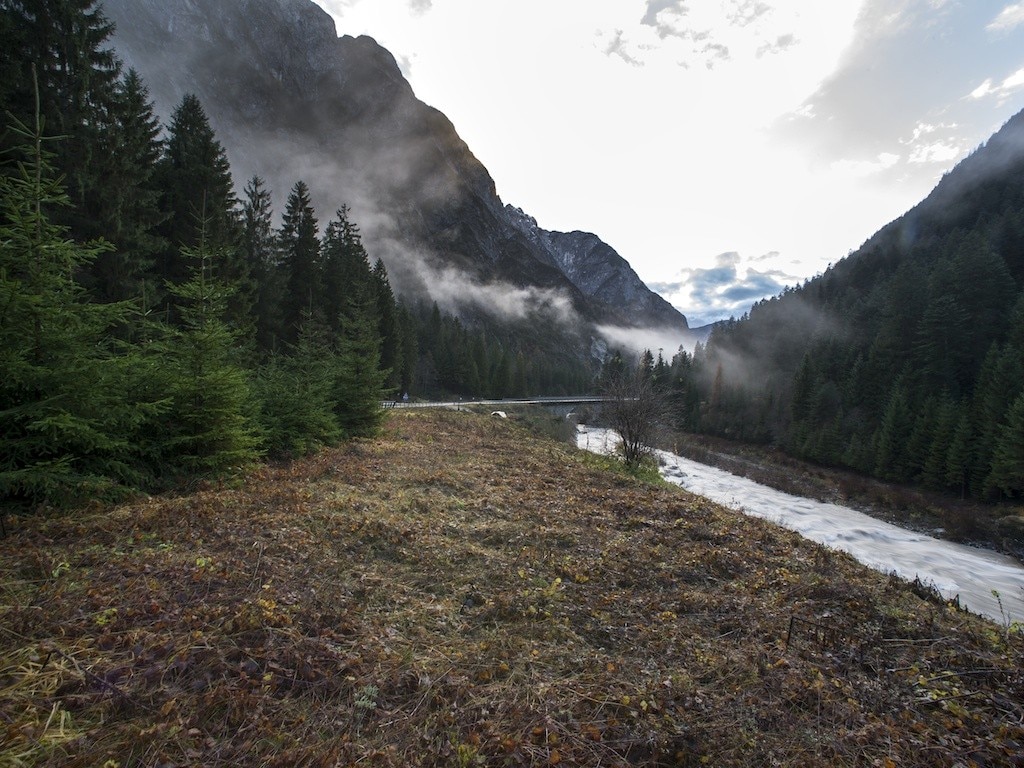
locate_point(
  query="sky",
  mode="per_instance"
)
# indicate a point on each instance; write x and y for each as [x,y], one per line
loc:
[725,148]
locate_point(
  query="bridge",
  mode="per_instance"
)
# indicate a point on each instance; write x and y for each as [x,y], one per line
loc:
[561,405]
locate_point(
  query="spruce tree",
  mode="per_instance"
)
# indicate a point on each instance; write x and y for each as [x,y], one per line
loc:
[409,351]
[195,178]
[351,300]
[209,428]
[960,457]
[260,251]
[1007,473]
[933,473]
[892,436]
[298,396]
[129,210]
[67,414]
[299,262]
[387,326]
[359,381]
[1000,381]
[62,46]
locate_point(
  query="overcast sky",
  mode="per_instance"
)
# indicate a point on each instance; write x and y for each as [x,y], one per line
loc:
[725,148]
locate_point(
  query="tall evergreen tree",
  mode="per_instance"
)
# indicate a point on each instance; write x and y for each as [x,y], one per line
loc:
[299,262]
[933,474]
[892,436]
[999,382]
[359,380]
[62,44]
[298,396]
[410,351]
[129,210]
[195,178]
[67,416]
[388,326]
[1007,473]
[960,457]
[260,250]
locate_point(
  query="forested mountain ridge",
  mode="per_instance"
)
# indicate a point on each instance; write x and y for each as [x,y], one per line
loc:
[294,100]
[905,360]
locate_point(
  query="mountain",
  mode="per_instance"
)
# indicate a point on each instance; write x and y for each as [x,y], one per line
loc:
[597,270]
[291,100]
[905,360]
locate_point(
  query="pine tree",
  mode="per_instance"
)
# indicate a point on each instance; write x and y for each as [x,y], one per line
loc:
[1007,473]
[409,351]
[298,398]
[198,195]
[987,294]
[893,433]
[359,382]
[61,45]
[922,438]
[210,429]
[67,416]
[299,262]
[933,473]
[646,365]
[388,326]
[960,459]
[345,273]
[801,403]
[259,249]
[1000,381]
[129,210]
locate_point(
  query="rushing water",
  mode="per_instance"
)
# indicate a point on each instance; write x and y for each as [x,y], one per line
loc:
[954,569]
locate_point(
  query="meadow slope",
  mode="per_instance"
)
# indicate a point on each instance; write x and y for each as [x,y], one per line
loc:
[459,592]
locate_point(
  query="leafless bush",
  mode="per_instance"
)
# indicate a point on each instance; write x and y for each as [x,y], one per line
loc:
[636,410]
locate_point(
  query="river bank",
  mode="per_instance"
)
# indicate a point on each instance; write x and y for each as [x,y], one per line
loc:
[989,526]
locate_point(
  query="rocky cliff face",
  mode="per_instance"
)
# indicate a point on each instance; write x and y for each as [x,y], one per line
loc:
[291,100]
[598,271]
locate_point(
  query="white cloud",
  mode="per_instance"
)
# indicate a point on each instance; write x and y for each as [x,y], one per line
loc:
[1014,81]
[934,153]
[1009,85]
[1009,18]
[928,147]
[862,168]
[727,289]
[982,90]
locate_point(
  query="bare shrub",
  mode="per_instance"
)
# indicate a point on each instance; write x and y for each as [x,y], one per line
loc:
[636,409]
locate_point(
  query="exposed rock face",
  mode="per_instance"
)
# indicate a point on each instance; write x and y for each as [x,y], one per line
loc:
[291,100]
[598,271]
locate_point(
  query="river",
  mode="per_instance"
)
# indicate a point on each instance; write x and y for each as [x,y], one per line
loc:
[954,569]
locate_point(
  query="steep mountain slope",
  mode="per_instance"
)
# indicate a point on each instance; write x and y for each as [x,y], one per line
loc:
[981,189]
[291,100]
[597,270]
[906,359]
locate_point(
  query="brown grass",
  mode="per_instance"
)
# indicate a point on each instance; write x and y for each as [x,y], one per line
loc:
[460,593]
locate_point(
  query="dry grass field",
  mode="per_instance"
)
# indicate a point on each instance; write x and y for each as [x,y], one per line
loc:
[460,592]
